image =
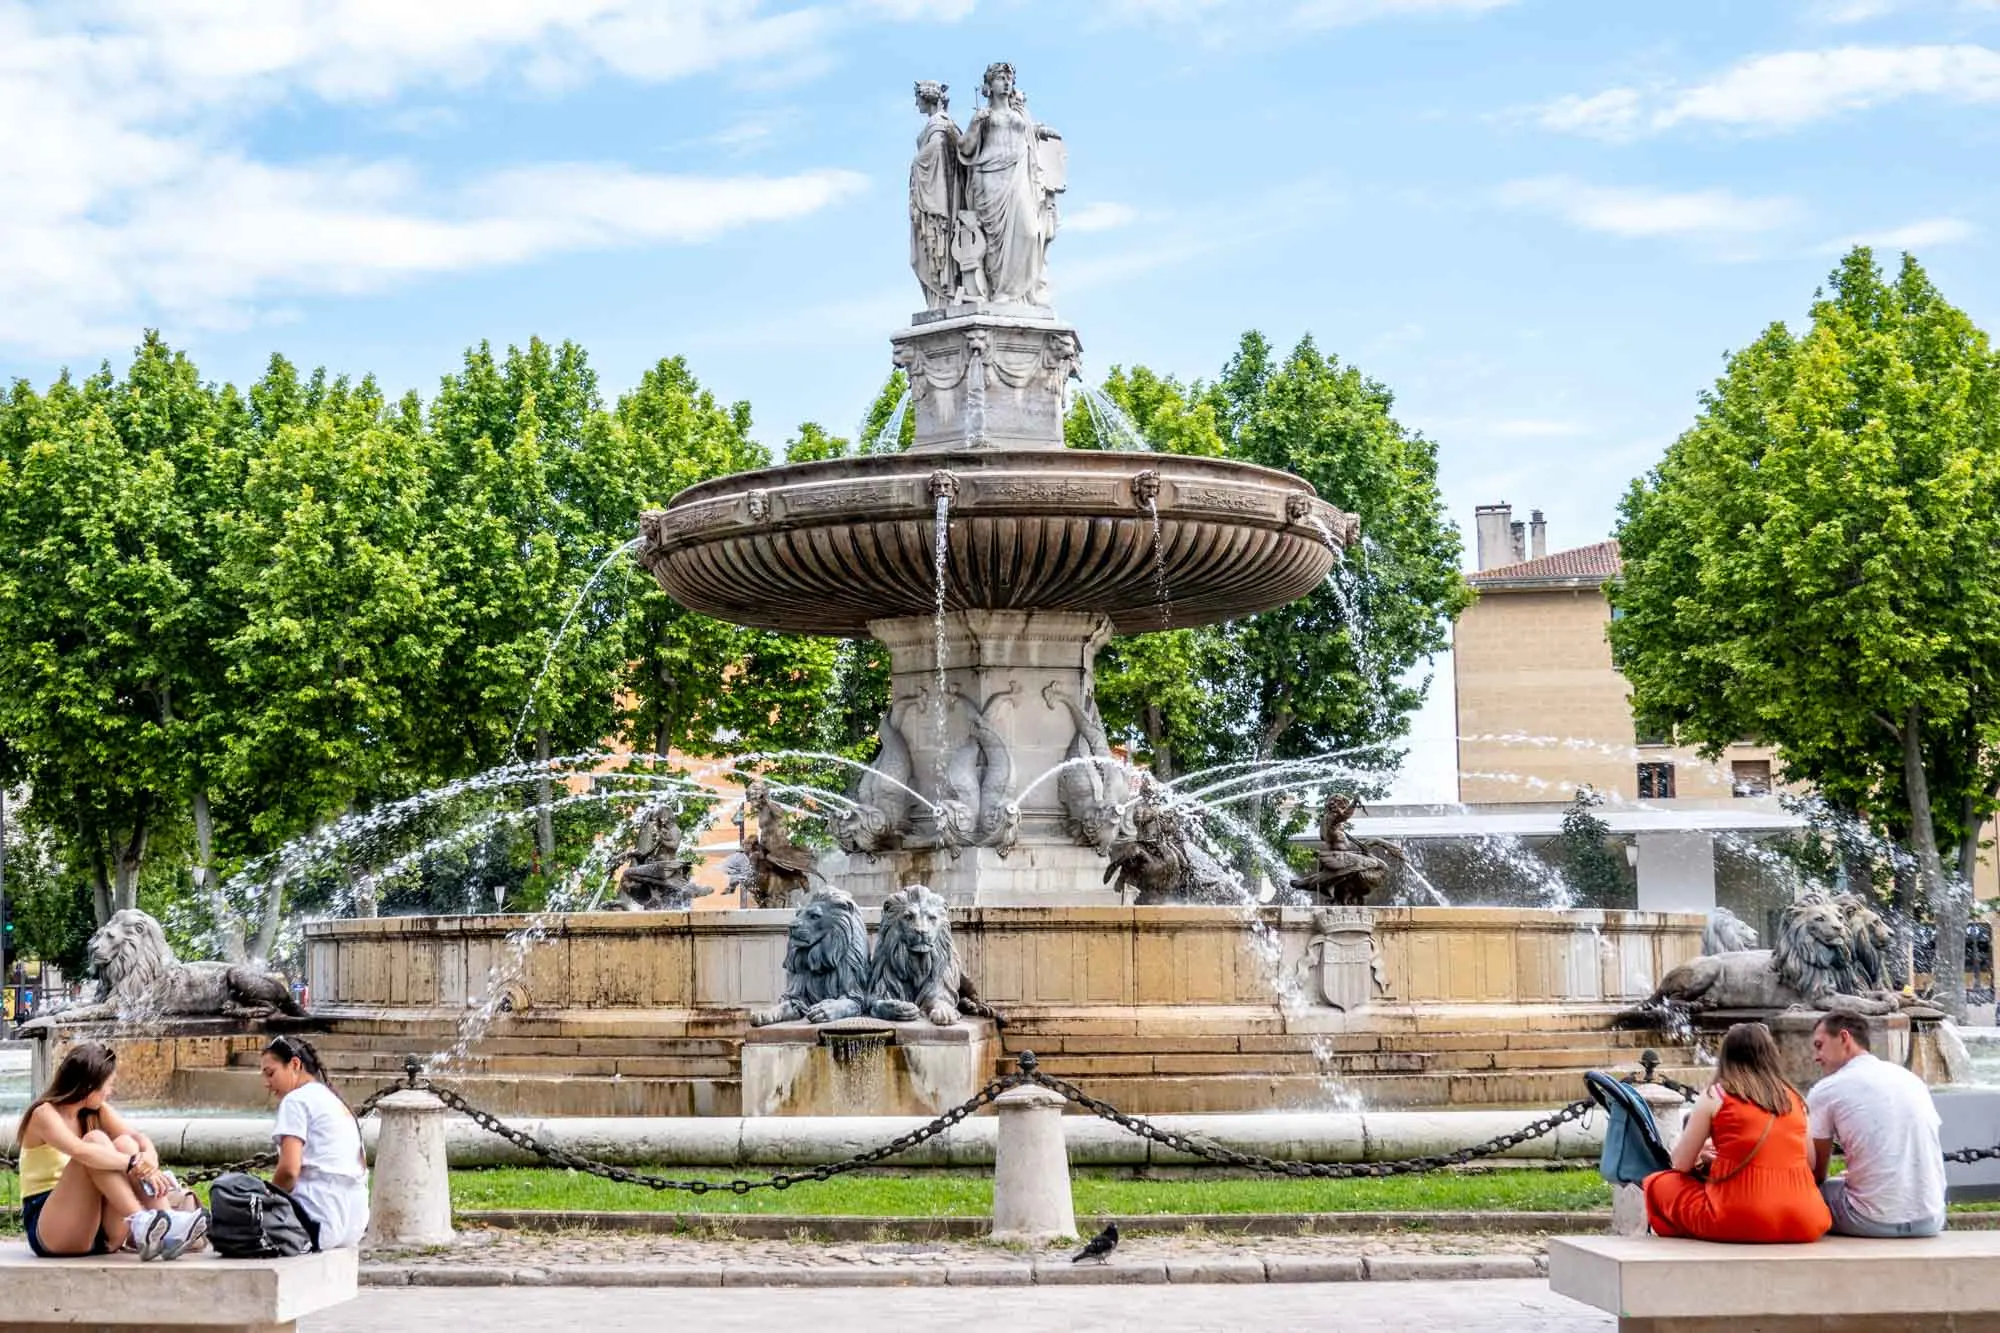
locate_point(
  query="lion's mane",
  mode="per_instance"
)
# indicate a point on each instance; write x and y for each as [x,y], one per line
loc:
[143,978]
[826,960]
[915,972]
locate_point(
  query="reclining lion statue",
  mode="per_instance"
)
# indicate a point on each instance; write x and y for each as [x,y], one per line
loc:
[1810,966]
[826,962]
[143,979]
[915,972]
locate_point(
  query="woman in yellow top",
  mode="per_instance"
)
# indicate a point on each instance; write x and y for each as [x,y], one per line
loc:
[91,1184]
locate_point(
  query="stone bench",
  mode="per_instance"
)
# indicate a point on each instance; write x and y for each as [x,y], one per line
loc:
[195,1291]
[1949,1282]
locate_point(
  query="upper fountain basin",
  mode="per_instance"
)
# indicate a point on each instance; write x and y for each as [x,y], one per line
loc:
[825,548]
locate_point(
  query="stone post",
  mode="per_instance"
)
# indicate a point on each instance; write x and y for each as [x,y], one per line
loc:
[1628,1202]
[410,1203]
[1031,1198]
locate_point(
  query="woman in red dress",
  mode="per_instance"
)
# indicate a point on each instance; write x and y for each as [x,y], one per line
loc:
[1749,1132]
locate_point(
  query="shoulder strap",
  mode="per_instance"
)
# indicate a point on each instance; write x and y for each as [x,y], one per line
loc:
[1753,1151]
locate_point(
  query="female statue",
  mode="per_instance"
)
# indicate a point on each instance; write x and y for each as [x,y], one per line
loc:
[1010,188]
[937,192]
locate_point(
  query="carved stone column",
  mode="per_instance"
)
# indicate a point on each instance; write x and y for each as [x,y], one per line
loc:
[986,379]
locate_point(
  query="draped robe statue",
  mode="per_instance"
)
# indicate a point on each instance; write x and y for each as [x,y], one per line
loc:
[937,192]
[1012,176]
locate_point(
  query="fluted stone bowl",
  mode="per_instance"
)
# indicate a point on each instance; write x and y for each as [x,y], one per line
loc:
[825,548]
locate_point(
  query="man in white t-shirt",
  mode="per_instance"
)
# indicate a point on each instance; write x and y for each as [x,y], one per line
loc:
[1882,1116]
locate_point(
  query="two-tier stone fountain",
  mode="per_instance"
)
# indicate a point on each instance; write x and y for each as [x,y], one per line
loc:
[992,561]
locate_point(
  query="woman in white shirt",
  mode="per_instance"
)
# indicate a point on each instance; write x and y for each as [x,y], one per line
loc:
[320,1163]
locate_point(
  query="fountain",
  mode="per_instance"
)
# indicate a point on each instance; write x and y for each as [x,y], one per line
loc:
[1082,897]
[992,561]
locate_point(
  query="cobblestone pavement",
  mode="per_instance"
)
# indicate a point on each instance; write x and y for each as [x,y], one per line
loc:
[497,1257]
[1464,1307]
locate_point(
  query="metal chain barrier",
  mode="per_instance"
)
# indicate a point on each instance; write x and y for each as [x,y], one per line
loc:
[1028,1073]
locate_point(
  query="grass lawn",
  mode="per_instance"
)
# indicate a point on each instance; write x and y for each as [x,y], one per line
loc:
[954,1194]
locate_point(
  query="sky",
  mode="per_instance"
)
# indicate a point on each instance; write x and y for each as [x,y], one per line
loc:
[1541,223]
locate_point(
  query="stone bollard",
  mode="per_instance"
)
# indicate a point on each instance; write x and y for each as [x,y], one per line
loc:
[410,1203]
[1031,1198]
[1628,1202]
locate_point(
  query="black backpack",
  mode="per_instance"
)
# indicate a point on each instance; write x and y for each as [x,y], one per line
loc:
[250,1219]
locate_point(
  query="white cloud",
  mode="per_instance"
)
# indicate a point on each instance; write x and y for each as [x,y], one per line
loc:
[1616,211]
[1909,236]
[128,191]
[1300,13]
[1851,11]
[1104,215]
[1788,89]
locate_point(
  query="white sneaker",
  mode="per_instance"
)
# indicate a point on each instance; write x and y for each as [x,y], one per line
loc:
[146,1232]
[184,1231]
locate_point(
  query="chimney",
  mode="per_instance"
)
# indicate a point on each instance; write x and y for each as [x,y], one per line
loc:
[1517,537]
[1494,526]
[1538,534]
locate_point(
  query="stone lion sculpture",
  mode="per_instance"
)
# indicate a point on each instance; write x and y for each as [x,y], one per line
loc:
[1810,966]
[1868,942]
[915,972]
[143,979]
[826,962]
[1726,932]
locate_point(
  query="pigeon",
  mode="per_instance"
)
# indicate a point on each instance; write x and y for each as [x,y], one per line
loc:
[1100,1247]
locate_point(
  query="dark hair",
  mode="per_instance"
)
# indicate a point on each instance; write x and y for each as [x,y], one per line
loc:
[1833,1023]
[88,1067]
[287,1049]
[1749,1068]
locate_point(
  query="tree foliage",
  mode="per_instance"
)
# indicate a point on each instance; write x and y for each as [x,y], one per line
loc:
[1816,563]
[1331,671]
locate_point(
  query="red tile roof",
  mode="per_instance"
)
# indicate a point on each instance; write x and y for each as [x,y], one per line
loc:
[1585,564]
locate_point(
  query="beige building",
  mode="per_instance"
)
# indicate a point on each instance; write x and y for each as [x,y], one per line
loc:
[1541,710]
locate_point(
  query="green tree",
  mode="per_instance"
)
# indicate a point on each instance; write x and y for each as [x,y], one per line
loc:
[1816,563]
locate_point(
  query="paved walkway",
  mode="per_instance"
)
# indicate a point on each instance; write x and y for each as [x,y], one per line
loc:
[1351,1307]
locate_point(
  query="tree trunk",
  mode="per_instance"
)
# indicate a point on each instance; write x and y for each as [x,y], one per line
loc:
[545,818]
[228,926]
[1946,898]
[125,870]
[100,886]
[267,925]
[1253,809]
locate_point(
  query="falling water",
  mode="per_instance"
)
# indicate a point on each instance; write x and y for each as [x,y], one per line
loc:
[940,555]
[889,439]
[514,741]
[1113,428]
[1162,599]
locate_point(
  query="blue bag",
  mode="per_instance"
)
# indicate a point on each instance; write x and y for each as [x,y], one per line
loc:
[1632,1146]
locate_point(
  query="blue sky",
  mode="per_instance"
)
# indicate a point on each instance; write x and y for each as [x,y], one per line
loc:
[1541,222]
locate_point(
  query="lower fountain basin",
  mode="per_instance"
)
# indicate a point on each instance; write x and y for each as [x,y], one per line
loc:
[825,548]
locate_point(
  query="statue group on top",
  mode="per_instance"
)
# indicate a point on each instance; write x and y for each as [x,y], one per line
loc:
[983,199]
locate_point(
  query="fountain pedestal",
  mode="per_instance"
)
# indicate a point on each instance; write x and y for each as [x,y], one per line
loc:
[988,377]
[863,1066]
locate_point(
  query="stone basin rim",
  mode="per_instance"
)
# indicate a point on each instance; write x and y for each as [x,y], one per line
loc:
[781,476]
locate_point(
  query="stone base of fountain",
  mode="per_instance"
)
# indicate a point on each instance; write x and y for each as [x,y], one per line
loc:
[1034,876]
[1889,1037]
[1157,1009]
[863,1066]
[169,1061]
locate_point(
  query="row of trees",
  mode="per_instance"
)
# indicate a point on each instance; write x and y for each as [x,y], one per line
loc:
[230,616]
[1816,564]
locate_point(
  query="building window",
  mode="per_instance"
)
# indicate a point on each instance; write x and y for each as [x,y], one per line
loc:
[1656,782]
[1751,777]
